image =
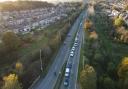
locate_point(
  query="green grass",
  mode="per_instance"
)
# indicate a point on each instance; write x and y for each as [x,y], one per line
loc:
[80,63]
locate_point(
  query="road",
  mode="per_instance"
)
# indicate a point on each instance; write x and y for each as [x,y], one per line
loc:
[75,60]
[50,79]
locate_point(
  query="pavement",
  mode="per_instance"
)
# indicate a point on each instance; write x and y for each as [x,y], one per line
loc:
[75,58]
[50,79]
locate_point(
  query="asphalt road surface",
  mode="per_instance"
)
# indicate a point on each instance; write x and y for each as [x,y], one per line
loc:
[75,59]
[50,79]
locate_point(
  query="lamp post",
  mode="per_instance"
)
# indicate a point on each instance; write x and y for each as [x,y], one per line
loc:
[41,61]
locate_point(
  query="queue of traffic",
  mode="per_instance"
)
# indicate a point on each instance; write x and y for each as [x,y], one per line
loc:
[69,63]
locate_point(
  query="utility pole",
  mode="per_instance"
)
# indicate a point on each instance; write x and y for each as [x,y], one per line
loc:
[83,62]
[41,61]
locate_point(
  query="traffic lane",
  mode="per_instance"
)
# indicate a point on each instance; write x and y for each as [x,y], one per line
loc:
[71,60]
[72,72]
[78,57]
[79,34]
[76,63]
[77,23]
[74,67]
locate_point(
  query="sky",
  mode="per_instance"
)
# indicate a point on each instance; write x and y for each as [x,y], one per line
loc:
[46,0]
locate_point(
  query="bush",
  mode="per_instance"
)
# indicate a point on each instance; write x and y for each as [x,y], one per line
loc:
[88,78]
[11,41]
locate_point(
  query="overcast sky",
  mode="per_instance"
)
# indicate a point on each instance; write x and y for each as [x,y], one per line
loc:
[46,0]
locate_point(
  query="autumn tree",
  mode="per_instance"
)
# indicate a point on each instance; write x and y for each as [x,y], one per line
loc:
[123,73]
[11,82]
[93,35]
[88,78]
[118,22]
[11,41]
[19,67]
[87,24]
[55,41]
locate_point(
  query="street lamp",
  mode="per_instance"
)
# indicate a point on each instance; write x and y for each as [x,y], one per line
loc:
[41,61]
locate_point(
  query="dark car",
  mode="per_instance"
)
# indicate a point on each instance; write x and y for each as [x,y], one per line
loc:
[66,82]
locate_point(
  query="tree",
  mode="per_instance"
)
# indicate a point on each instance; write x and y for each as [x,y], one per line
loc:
[123,67]
[87,24]
[93,35]
[46,54]
[31,73]
[11,41]
[106,82]
[109,83]
[111,69]
[98,59]
[88,78]
[11,82]
[54,43]
[118,22]
[19,67]
[123,73]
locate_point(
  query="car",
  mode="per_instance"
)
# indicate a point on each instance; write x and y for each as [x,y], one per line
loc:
[66,82]
[67,71]
[71,52]
[75,44]
[69,65]
[73,48]
[66,74]
[71,55]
